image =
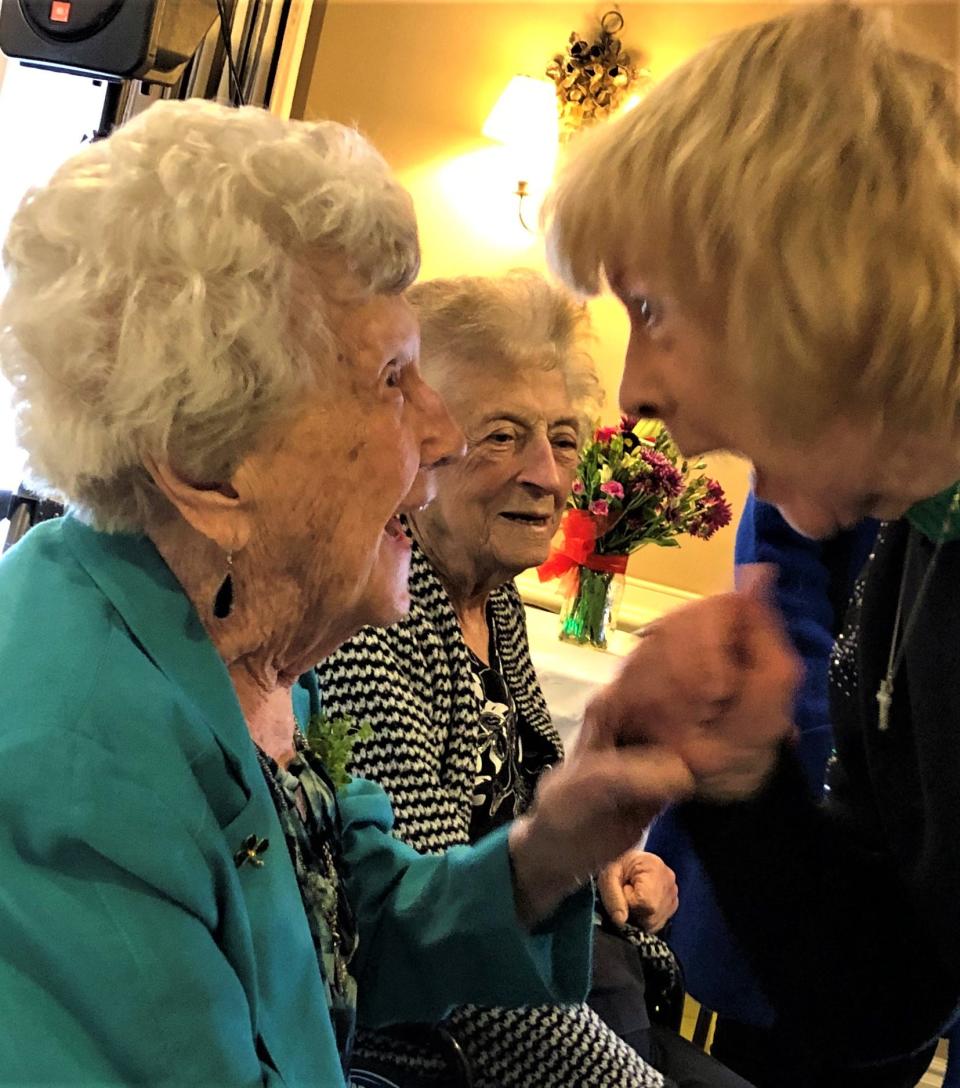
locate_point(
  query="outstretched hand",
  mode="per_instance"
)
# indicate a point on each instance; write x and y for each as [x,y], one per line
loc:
[700,708]
[587,812]
[714,683]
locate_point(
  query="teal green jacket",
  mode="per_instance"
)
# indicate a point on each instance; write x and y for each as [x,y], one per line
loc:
[132,948]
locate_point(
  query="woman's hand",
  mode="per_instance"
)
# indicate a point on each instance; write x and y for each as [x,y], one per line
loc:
[586,813]
[639,886]
[714,683]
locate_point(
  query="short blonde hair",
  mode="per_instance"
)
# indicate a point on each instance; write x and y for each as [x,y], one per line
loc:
[797,185]
[150,310]
[517,320]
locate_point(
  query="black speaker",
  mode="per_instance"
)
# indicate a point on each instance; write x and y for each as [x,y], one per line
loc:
[150,40]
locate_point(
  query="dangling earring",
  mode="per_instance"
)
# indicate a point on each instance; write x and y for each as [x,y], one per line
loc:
[223,602]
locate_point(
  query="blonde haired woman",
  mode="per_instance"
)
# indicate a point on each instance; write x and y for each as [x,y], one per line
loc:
[780,219]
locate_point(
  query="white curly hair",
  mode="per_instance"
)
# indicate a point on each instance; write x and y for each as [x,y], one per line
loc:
[518,320]
[797,183]
[150,309]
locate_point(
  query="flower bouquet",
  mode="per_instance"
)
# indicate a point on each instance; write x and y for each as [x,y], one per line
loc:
[632,488]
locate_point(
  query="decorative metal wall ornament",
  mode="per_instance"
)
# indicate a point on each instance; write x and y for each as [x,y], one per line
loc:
[594,78]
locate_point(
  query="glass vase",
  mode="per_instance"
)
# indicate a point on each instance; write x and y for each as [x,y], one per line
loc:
[589,614]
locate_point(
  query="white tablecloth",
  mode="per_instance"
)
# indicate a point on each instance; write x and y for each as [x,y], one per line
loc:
[569,674]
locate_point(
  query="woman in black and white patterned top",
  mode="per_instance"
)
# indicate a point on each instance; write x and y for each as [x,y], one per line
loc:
[461,730]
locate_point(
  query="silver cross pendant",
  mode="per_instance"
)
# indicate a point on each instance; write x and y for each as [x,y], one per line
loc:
[884,701]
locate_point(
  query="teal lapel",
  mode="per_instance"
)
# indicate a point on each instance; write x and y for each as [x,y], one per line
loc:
[938,518]
[129,571]
[287,995]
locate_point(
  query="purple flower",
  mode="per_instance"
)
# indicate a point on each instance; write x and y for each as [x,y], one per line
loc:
[712,512]
[719,514]
[666,475]
[613,489]
[600,507]
[671,514]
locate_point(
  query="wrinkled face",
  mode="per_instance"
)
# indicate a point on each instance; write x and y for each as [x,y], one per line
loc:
[331,482]
[497,509]
[674,371]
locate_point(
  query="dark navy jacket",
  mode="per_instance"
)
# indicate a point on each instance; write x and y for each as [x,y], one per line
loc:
[813,586]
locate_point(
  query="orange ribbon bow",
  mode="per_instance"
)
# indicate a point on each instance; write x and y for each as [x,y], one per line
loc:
[579,531]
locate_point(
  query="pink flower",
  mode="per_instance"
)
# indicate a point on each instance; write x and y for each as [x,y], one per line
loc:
[613,489]
[578,487]
[604,434]
[600,507]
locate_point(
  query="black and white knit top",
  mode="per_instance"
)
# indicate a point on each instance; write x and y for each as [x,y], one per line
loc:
[415,683]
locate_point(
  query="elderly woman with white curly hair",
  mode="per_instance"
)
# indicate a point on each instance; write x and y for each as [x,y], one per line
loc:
[216,368]
[461,731]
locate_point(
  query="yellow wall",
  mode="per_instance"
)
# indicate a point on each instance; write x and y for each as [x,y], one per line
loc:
[419,80]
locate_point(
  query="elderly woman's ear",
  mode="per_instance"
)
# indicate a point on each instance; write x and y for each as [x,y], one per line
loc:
[216,510]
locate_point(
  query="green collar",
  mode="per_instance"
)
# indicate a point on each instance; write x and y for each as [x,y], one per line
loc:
[938,518]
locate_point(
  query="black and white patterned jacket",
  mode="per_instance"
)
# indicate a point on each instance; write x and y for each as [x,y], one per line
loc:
[412,681]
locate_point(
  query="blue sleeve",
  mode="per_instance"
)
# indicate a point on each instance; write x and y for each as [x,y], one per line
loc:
[803,597]
[716,969]
[745,545]
[439,930]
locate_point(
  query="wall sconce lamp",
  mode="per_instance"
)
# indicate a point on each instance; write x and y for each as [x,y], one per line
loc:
[524,118]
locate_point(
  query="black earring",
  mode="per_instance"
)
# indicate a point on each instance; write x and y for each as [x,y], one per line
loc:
[223,602]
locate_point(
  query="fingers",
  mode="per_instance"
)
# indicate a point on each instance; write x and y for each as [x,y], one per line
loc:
[596,785]
[704,659]
[686,670]
[641,910]
[773,666]
[757,580]
[651,891]
[646,775]
[598,727]
[611,889]
[656,918]
[585,814]
[714,685]
[634,861]
[767,650]
[638,864]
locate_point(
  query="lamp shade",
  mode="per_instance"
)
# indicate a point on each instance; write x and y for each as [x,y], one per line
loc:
[525,114]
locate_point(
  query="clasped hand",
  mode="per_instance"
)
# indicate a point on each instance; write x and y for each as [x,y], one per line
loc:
[699,709]
[641,888]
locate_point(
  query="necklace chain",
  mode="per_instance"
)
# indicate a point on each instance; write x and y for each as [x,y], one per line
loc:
[898,646]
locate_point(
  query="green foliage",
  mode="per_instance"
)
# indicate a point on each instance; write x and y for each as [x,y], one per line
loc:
[333,740]
[587,618]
